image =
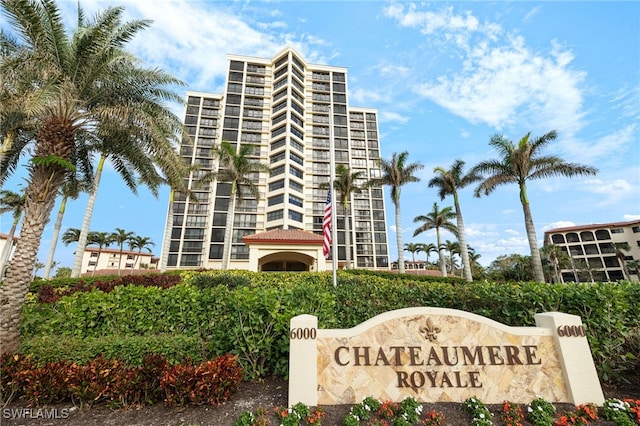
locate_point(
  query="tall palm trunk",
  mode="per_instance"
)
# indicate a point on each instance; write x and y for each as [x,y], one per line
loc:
[443,263]
[54,238]
[466,265]
[166,241]
[86,221]
[6,250]
[40,199]
[399,240]
[228,232]
[536,261]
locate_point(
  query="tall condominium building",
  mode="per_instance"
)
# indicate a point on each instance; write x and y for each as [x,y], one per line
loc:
[286,108]
[598,252]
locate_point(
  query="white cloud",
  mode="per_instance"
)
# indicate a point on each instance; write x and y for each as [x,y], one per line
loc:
[511,232]
[501,81]
[608,147]
[600,187]
[533,12]
[362,96]
[559,224]
[390,116]
[631,217]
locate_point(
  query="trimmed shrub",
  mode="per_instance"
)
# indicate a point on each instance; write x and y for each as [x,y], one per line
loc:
[211,382]
[129,349]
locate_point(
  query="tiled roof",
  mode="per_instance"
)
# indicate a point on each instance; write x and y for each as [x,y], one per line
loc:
[593,226]
[284,236]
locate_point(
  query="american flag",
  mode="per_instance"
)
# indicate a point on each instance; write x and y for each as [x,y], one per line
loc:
[326,227]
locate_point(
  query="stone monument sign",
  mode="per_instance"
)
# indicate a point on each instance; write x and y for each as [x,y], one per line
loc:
[442,355]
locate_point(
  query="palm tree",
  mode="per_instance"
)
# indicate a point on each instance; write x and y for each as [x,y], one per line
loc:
[634,265]
[18,101]
[127,158]
[102,240]
[120,236]
[92,90]
[71,235]
[68,190]
[397,173]
[519,164]
[177,186]
[449,182]
[621,248]
[140,243]
[427,248]
[557,258]
[36,267]
[474,261]
[437,219]
[412,248]
[237,168]
[453,247]
[12,202]
[346,184]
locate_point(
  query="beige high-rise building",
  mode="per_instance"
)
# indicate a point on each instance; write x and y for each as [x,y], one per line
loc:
[286,108]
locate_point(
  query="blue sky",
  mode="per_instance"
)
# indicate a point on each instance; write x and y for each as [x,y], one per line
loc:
[444,78]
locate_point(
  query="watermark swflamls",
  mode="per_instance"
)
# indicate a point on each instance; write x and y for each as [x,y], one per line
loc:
[35,413]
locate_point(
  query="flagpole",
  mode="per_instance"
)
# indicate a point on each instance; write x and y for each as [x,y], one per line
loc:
[334,232]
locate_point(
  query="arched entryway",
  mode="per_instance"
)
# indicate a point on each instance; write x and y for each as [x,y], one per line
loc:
[286,262]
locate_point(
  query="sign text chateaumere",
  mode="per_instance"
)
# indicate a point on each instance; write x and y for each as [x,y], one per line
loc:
[437,356]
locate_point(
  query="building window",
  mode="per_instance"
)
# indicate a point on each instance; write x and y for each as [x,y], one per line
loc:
[293,215]
[276,185]
[296,201]
[296,158]
[617,231]
[245,220]
[636,229]
[296,172]
[295,186]
[275,215]
[278,199]
[277,171]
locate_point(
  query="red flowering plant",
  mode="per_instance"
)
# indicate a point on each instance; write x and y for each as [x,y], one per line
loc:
[581,416]
[512,414]
[433,418]
[388,410]
[299,413]
[634,408]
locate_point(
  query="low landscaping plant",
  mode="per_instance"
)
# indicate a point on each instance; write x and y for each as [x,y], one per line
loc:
[118,384]
[624,412]
[480,414]
[512,414]
[541,412]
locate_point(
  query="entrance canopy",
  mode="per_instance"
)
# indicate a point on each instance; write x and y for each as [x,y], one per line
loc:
[286,250]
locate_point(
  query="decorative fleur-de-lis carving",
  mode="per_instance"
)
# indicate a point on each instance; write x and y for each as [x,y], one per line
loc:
[430,331]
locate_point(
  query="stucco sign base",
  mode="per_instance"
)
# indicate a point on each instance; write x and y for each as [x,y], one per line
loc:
[441,355]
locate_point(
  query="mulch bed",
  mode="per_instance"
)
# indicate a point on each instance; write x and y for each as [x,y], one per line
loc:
[269,394]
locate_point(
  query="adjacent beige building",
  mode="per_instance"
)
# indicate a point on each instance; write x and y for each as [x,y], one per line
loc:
[288,109]
[599,252]
[109,260]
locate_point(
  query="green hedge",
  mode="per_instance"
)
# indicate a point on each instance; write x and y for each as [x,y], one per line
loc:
[176,348]
[248,314]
